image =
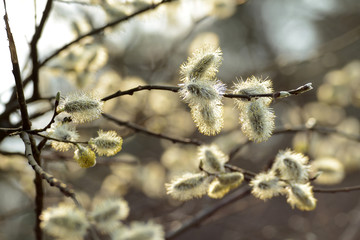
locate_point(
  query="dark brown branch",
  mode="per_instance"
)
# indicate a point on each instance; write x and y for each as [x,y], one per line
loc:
[206,213]
[66,190]
[34,51]
[9,131]
[58,140]
[101,29]
[140,88]
[17,75]
[158,135]
[57,100]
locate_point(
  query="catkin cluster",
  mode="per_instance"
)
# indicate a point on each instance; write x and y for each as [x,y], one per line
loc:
[202,90]
[69,222]
[213,180]
[79,108]
[289,175]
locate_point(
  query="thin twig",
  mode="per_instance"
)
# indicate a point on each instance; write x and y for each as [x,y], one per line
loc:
[337,190]
[249,174]
[57,99]
[57,140]
[140,88]
[65,189]
[208,212]
[148,132]
[34,51]
[292,130]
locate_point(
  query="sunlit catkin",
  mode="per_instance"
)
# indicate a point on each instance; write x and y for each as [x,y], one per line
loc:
[188,186]
[209,119]
[252,86]
[107,214]
[212,159]
[62,132]
[200,92]
[107,143]
[223,183]
[204,63]
[257,120]
[266,185]
[83,107]
[84,156]
[301,196]
[291,166]
[64,222]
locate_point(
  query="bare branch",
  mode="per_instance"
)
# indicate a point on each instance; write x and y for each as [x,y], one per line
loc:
[34,50]
[17,75]
[337,190]
[140,88]
[65,189]
[158,135]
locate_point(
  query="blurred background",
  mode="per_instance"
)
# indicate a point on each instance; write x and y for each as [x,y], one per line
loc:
[289,42]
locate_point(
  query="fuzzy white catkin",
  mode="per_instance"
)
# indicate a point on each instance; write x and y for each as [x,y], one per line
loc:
[82,106]
[257,120]
[291,166]
[212,159]
[301,196]
[64,222]
[204,63]
[209,119]
[188,186]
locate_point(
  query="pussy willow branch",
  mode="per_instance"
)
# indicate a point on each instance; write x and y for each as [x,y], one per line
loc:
[148,132]
[208,212]
[275,95]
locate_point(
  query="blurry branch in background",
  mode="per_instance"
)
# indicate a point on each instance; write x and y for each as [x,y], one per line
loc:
[208,212]
[101,29]
[138,128]
[292,130]
[330,47]
[34,51]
